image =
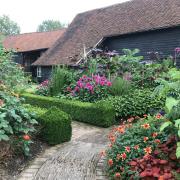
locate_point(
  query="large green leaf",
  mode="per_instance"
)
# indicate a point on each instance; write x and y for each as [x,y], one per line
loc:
[177,123]
[178,150]
[170,102]
[165,125]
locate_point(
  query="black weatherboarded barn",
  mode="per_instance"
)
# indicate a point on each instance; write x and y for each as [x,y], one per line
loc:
[161,42]
[149,25]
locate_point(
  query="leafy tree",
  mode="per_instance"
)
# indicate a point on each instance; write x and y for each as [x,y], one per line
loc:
[7,26]
[49,25]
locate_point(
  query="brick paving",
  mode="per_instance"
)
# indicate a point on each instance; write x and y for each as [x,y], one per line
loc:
[75,160]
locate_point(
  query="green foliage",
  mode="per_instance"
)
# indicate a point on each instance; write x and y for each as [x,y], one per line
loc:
[60,78]
[130,56]
[50,25]
[56,126]
[133,138]
[100,114]
[8,27]
[137,103]
[92,67]
[169,87]
[15,121]
[171,90]
[37,111]
[120,87]
[12,75]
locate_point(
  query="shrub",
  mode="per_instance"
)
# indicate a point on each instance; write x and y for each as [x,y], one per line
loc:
[137,103]
[100,114]
[12,74]
[120,87]
[140,150]
[43,88]
[16,123]
[90,89]
[56,126]
[60,78]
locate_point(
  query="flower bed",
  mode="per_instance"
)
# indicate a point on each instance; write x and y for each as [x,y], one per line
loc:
[140,150]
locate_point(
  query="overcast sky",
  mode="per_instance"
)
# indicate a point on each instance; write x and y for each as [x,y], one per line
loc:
[30,13]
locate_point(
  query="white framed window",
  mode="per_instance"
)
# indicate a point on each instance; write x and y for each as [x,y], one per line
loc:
[39,71]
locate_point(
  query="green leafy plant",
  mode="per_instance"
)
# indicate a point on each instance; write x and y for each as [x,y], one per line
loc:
[120,87]
[15,122]
[60,78]
[137,102]
[171,90]
[12,74]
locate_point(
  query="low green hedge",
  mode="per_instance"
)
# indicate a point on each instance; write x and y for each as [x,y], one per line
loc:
[56,126]
[100,114]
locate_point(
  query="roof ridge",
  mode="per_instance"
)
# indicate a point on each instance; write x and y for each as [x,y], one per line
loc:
[35,32]
[105,7]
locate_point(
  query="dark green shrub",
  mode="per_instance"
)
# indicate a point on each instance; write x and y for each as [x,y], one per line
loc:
[100,114]
[60,78]
[56,126]
[120,87]
[136,103]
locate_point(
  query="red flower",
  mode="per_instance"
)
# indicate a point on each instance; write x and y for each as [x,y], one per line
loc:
[103,153]
[128,149]
[123,156]
[110,145]
[112,139]
[158,116]
[68,89]
[117,175]
[1,102]
[145,139]
[145,126]
[118,156]
[154,134]
[121,129]
[157,141]
[136,147]
[130,119]
[110,162]
[26,137]
[145,115]
[148,150]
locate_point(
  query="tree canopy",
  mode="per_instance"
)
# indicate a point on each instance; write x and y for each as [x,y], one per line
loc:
[50,25]
[7,26]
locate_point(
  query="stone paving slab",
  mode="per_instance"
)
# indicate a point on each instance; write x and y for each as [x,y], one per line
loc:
[74,160]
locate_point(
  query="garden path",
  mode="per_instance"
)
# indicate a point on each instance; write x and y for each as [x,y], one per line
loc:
[78,159]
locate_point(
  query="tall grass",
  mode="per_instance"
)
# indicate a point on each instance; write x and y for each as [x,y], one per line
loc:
[120,87]
[58,80]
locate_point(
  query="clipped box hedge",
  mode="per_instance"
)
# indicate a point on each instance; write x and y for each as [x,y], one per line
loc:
[56,126]
[100,114]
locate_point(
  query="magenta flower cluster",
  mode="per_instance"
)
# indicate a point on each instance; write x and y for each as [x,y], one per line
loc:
[43,84]
[177,50]
[90,83]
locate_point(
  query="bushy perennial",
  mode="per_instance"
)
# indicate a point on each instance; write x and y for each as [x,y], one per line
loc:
[90,88]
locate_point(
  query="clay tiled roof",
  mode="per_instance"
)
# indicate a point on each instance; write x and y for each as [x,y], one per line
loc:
[89,27]
[32,41]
